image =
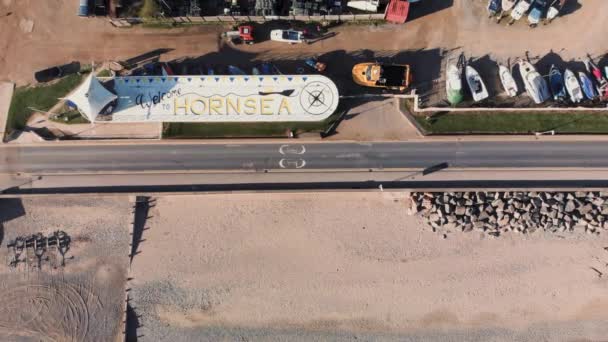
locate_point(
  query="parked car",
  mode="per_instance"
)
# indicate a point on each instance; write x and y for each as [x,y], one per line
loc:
[389,76]
[56,72]
[288,36]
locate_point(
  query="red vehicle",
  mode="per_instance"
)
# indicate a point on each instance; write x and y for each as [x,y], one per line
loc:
[246,34]
[397,11]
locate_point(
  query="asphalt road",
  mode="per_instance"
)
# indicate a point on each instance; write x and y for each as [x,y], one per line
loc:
[196,157]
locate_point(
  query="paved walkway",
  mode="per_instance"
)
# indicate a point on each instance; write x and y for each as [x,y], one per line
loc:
[101,130]
[375,120]
[6,94]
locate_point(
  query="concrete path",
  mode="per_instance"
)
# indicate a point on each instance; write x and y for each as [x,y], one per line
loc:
[371,120]
[6,94]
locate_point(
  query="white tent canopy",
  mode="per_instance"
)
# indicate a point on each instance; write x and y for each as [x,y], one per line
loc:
[91,97]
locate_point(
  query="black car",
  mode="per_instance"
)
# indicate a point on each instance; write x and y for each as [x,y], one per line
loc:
[56,72]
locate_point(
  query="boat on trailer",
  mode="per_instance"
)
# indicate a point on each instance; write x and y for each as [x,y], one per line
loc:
[520,9]
[478,88]
[507,80]
[508,5]
[535,84]
[573,87]
[556,82]
[596,72]
[587,86]
[555,9]
[453,83]
[537,12]
[494,7]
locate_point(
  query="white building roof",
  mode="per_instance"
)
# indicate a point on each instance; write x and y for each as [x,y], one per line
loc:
[91,97]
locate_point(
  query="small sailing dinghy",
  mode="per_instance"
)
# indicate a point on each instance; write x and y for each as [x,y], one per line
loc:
[478,88]
[507,80]
[573,87]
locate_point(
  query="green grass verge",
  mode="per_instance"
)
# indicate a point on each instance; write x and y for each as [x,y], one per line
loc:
[41,97]
[242,130]
[149,9]
[104,73]
[514,123]
[70,117]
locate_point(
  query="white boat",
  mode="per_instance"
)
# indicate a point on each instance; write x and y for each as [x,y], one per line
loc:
[507,80]
[288,36]
[453,84]
[366,5]
[535,84]
[520,9]
[478,88]
[573,87]
[508,5]
[554,9]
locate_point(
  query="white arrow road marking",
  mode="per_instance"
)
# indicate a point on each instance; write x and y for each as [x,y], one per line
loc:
[289,149]
[292,163]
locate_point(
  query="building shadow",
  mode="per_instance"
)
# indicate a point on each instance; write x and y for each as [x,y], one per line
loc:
[10,209]
[145,57]
[427,7]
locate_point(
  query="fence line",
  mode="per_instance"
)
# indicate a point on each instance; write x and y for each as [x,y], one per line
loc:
[248,18]
[414,98]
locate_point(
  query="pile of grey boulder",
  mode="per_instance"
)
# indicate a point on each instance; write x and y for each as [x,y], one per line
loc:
[519,211]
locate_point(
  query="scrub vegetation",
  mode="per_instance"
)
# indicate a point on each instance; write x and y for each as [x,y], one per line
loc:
[26,100]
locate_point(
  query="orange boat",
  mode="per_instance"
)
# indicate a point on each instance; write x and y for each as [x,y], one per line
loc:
[378,75]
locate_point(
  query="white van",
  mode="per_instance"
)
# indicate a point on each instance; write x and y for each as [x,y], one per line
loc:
[288,36]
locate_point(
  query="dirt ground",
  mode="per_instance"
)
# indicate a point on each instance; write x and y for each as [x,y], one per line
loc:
[346,266]
[83,301]
[54,39]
